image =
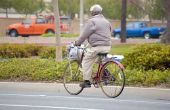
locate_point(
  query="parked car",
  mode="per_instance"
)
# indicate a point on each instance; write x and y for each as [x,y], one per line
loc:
[34,26]
[140,29]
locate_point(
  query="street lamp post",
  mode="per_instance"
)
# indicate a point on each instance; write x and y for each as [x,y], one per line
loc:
[123,22]
[81,14]
[57,30]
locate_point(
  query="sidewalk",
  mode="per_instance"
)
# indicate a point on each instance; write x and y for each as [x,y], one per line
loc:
[51,40]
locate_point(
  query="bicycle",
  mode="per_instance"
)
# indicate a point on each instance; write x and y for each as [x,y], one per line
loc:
[109,75]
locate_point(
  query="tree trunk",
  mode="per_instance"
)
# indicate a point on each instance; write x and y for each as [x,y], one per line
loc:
[123,22]
[57,31]
[166,37]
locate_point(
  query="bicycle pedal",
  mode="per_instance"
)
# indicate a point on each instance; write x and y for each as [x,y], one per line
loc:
[80,69]
[96,86]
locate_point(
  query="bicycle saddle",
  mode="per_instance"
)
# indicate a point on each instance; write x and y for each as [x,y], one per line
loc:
[102,54]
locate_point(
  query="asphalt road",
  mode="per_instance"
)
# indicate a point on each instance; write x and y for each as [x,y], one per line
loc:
[52,96]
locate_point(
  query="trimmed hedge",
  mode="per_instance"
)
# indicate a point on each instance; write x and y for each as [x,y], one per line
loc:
[31,70]
[27,50]
[149,57]
[136,77]
[18,51]
[49,52]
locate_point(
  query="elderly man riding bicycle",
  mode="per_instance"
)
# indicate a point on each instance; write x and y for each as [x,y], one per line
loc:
[97,31]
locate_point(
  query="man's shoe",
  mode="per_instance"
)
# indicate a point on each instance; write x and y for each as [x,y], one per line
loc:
[85,84]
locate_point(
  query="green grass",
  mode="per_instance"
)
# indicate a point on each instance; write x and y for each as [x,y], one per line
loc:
[62,35]
[122,49]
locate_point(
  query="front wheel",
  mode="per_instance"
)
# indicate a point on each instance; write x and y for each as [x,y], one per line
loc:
[13,33]
[147,35]
[49,31]
[112,79]
[72,78]
[117,36]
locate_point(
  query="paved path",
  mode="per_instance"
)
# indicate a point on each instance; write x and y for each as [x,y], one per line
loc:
[52,96]
[52,40]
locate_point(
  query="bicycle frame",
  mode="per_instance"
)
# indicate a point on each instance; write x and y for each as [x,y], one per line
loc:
[96,78]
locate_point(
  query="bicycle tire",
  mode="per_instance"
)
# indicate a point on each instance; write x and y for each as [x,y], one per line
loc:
[115,80]
[72,78]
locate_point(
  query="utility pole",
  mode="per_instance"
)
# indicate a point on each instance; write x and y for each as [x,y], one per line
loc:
[123,21]
[81,14]
[166,36]
[57,30]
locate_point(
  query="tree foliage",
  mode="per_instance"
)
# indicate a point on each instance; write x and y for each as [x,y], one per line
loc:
[69,7]
[134,10]
[27,6]
[111,8]
[158,11]
[154,9]
[6,4]
[23,6]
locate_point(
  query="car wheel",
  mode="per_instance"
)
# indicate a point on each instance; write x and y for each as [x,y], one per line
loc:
[117,36]
[147,35]
[50,31]
[13,33]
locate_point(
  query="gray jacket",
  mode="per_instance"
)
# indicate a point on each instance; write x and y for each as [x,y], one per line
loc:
[97,31]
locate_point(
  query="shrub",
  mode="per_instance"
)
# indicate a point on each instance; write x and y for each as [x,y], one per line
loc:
[147,57]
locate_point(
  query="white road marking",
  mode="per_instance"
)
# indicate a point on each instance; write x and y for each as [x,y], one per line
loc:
[87,98]
[149,88]
[51,107]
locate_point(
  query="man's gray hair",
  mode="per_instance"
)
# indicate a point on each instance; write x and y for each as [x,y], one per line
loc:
[96,8]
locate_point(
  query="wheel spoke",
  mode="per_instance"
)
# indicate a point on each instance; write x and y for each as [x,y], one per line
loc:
[72,78]
[113,85]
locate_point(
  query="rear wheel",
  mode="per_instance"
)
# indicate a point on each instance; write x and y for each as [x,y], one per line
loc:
[112,79]
[13,33]
[72,78]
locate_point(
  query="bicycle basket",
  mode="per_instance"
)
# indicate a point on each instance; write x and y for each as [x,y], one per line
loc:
[74,52]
